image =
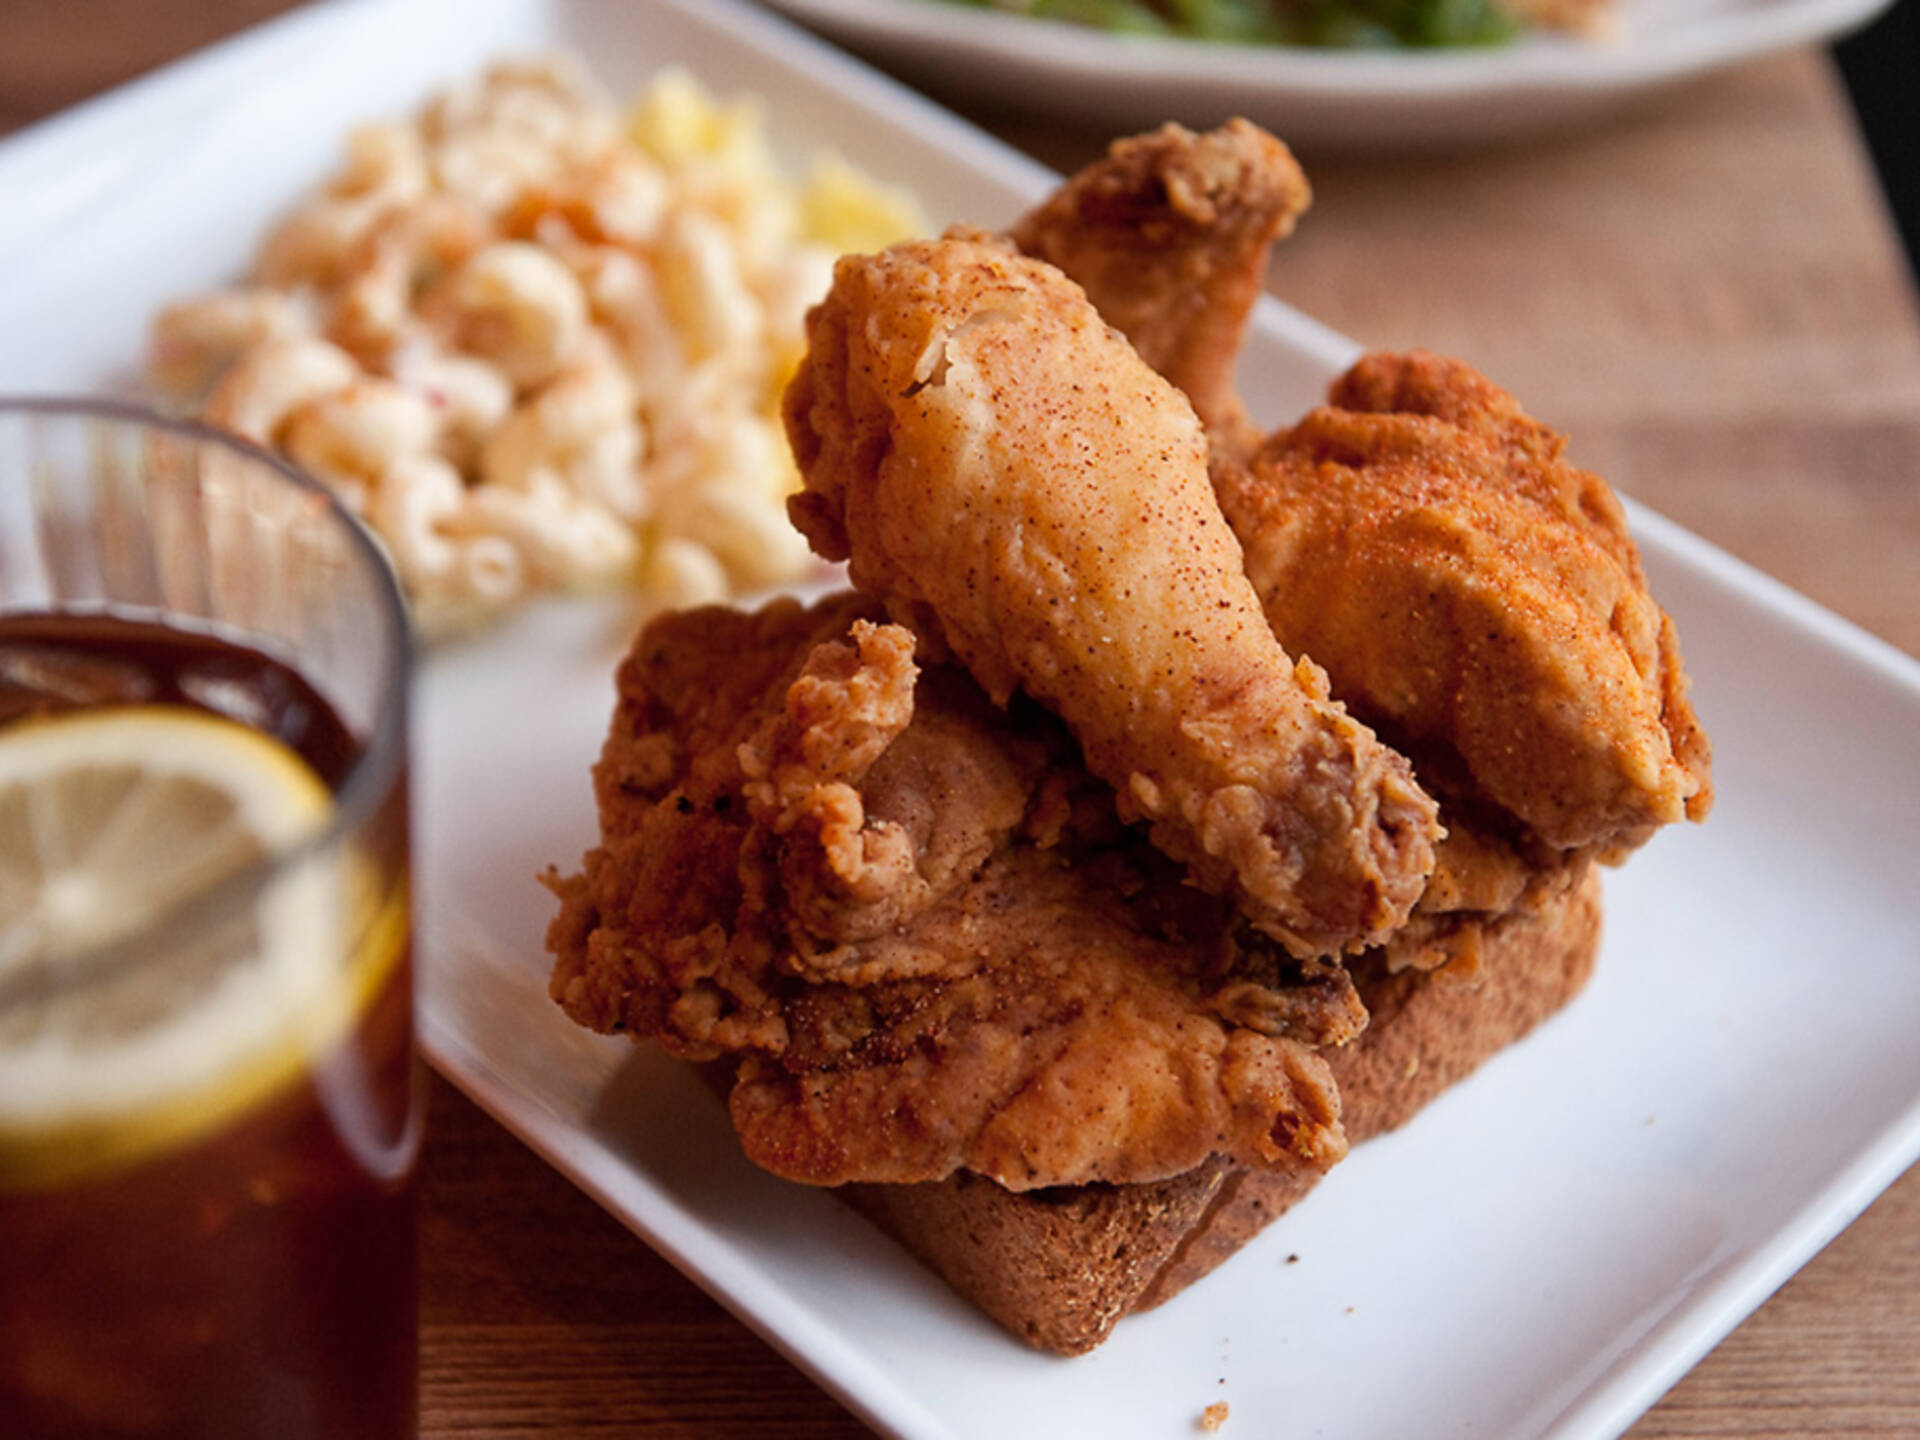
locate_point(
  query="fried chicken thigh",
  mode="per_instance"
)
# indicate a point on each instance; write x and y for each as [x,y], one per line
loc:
[1003,468]
[917,925]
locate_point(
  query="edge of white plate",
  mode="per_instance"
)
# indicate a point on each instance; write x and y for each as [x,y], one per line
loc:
[1657,1360]
[1661,1357]
[840,1369]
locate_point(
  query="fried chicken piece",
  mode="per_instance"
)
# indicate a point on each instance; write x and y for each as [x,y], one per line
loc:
[1471,596]
[917,925]
[1080,1051]
[1002,466]
[1169,236]
[1472,593]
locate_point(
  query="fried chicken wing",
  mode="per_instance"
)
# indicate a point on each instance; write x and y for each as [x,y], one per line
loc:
[919,927]
[1472,593]
[1169,236]
[1002,466]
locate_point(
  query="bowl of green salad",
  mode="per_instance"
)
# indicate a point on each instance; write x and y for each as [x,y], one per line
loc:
[1325,75]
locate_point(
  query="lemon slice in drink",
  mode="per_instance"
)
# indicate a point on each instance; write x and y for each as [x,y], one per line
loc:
[125,1026]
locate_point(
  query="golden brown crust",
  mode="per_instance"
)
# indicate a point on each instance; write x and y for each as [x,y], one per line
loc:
[1478,599]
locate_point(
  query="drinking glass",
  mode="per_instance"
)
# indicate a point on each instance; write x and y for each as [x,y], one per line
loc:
[210,1107]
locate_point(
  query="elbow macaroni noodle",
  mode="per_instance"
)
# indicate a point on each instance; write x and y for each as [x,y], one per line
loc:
[537,342]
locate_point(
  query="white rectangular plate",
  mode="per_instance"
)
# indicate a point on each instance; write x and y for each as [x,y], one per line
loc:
[1544,1252]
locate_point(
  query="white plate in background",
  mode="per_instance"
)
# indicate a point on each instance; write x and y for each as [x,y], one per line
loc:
[1542,1253]
[1319,100]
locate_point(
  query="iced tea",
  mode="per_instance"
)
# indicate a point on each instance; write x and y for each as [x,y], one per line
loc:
[244,1266]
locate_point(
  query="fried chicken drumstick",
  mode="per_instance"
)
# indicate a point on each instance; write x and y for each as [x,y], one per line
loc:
[1003,468]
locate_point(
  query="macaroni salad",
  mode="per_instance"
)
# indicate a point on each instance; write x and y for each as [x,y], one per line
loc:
[537,340]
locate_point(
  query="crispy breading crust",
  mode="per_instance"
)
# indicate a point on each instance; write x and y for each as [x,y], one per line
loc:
[1479,599]
[917,924]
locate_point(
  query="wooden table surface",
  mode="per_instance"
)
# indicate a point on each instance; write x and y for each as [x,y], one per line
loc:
[1705,292]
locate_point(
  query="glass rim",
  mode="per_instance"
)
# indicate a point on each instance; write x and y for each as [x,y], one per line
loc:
[369,781]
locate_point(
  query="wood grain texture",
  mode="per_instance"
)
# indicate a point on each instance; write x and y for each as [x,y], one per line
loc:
[541,1315]
[1705,292]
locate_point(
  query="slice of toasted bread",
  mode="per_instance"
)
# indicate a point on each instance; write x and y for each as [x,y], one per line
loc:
[1059,1268]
